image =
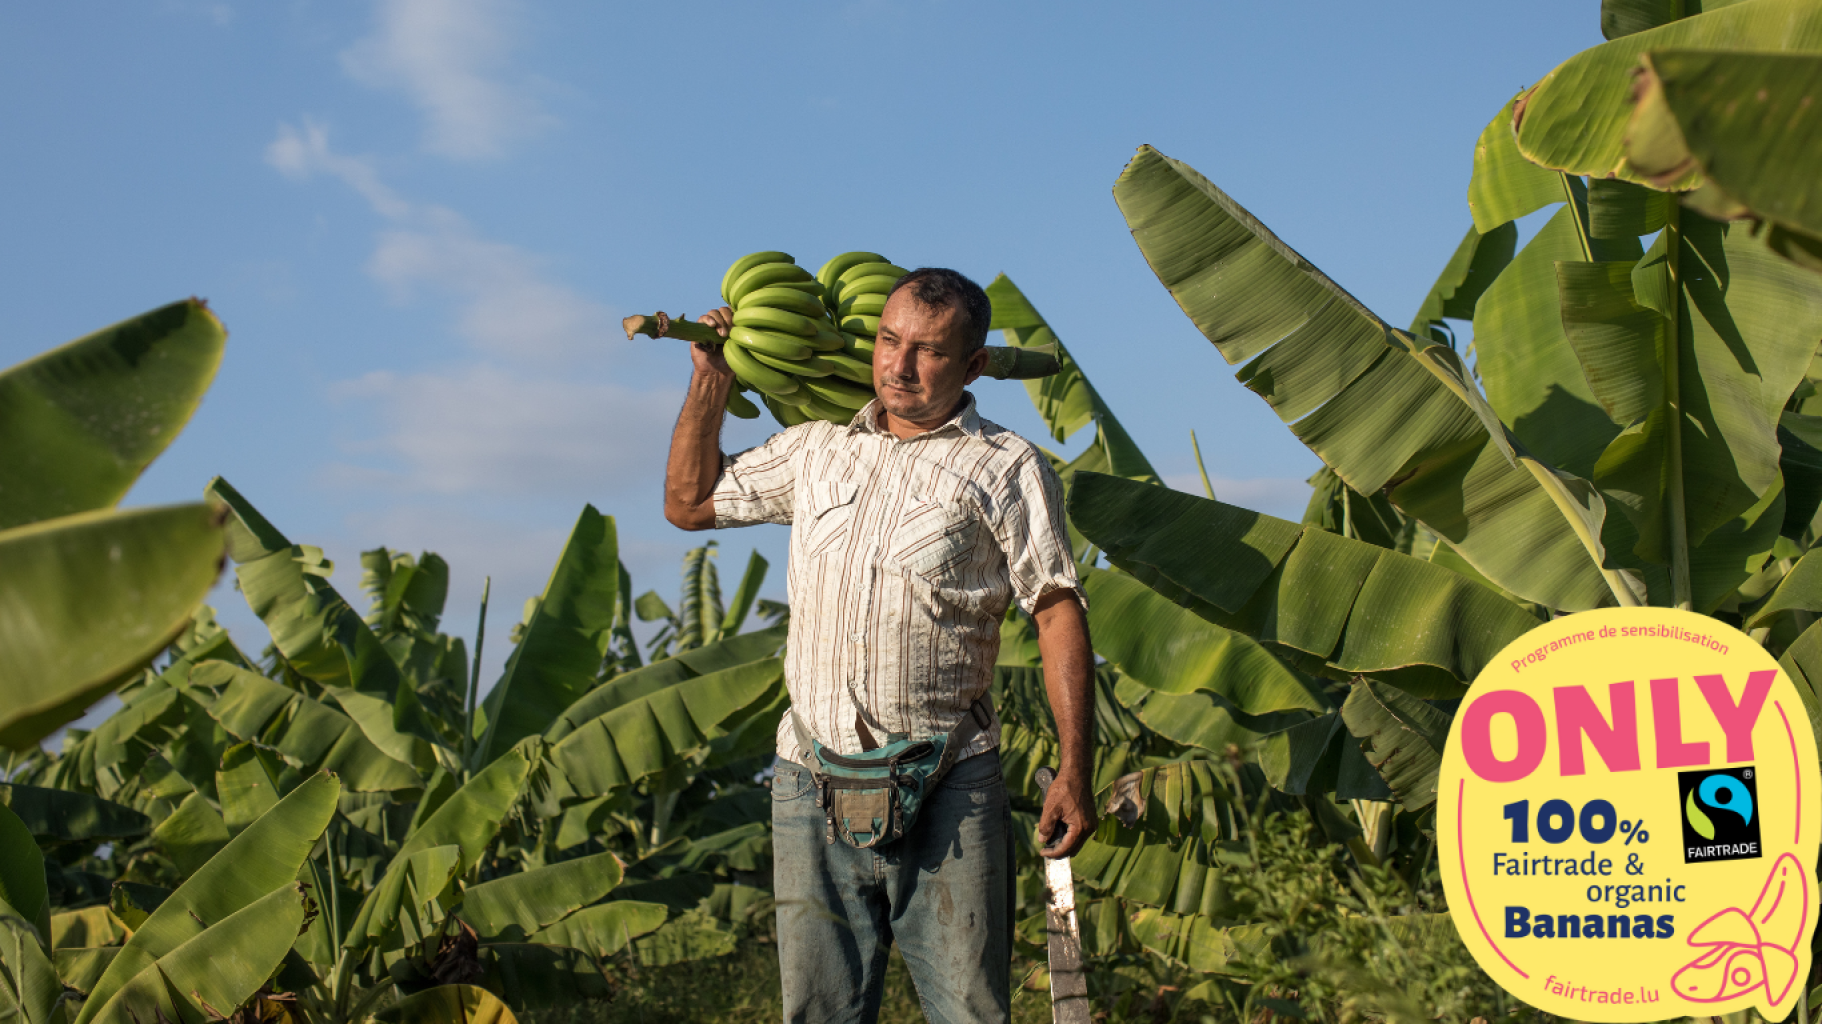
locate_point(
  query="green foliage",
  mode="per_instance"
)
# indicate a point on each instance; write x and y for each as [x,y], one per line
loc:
[1335,942]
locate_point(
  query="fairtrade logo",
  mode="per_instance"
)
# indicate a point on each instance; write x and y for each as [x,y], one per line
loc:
[1720,815]
[1722,792]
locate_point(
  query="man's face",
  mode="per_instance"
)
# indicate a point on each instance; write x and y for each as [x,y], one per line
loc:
[919,370]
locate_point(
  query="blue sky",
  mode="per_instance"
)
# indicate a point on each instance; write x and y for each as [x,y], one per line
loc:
[422,220]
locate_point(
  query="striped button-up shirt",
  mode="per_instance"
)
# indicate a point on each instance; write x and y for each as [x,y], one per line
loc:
[904,557]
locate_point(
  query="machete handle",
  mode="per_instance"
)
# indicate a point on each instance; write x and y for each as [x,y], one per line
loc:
[1044,777]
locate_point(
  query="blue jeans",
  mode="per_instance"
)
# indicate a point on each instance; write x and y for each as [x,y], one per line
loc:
[943,892]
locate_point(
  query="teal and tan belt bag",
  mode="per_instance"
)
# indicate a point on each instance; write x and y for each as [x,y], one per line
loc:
[874,797]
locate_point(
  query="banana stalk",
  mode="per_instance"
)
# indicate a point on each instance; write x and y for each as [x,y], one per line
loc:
[1003,362]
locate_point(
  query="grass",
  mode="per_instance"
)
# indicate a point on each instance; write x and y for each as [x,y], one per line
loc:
[742,988]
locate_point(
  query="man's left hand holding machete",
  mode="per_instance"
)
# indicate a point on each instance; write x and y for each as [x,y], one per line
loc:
[914,526]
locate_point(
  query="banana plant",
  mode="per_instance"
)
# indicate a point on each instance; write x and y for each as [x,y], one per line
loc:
[700,617]
[91,593]
[1735,125]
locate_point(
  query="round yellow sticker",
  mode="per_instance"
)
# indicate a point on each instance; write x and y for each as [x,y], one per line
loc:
[1627,819]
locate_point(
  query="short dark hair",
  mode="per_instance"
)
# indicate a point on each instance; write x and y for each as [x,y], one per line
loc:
[942,288]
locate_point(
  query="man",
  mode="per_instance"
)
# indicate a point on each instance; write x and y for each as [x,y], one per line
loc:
[913,527]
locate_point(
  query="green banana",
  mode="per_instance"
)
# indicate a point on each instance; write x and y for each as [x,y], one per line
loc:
[785,298]
[762,276]
[780,320]
[873,284]
[809,366]
[859,347]
[820,409]
[739,405]
[746,263]
[827,338]
[863,305]
[811,287]
[868,325]
[758,375]
[796,398]
[833,269]
[839,392]
[848,366]
[860,270]
[789,415]
[778,346]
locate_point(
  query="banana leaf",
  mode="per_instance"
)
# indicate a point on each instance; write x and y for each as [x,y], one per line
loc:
[320,636]
[1317,757]
[533,977]
[134,902]
[1577,118]
[445,1003]
[1745,124]
[1195,941]
[1476,264]
[695,935]
[262,861]
[516,906]
[1337,508]
[310,735]
[87,600]
[1406,737]
[744,596]
[213,971]
[80,969]
[22,884]
[1527,364]
[406,907]
[1066,400]
[1624,17]
[564,643]
[30,991]
[1198,719]
[193,834]
[406,594]
[643,736]
[1725,339]
[467,821]
[605,928]
[88,927]
[1505,185]
[79,423]
[246,785]
[1168,648]
[1802,661]
[1798,597]
[60,816]
[1381,408]
[699,613]
[1357,608]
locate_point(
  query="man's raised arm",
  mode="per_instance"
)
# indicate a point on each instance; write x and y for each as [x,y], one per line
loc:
[695,460]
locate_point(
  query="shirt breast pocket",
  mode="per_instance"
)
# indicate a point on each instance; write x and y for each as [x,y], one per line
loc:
[828,511]
[934,539]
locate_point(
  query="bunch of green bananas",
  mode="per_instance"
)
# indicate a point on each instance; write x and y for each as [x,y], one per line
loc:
[785,345]
[855,286]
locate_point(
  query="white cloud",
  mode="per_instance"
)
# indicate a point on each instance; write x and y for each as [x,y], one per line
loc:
[451,58]
[485,430]
[505,307]
[301,154]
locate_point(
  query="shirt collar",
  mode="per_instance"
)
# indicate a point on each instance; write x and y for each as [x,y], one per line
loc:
[967,419]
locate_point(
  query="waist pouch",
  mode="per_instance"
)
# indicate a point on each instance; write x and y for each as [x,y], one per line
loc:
[874,798]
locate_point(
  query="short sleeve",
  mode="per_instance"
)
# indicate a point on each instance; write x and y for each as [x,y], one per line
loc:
[1034,536]
[759,484]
